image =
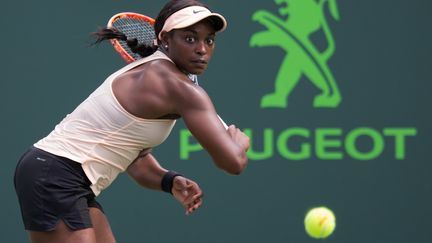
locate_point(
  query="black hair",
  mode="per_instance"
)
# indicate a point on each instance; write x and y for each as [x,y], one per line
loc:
[108,34]
[142,49]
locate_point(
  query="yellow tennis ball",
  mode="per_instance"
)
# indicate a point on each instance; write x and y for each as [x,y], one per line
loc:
[320,222]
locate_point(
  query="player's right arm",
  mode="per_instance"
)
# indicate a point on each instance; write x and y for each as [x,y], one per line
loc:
[227,147]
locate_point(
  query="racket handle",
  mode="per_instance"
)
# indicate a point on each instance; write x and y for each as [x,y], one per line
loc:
[225,125]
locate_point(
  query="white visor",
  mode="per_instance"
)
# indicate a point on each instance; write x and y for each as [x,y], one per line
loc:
[191,15]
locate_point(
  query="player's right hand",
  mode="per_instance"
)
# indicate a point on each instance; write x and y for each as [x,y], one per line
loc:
[239,137]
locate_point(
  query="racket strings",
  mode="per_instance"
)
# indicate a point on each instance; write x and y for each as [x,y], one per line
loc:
[138,29]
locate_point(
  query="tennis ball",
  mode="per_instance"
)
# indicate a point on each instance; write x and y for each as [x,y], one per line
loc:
[320,222]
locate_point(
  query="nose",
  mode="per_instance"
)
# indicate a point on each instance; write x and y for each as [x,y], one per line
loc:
[201,48]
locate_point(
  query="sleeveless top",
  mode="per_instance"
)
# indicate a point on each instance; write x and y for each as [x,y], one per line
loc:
[102,136]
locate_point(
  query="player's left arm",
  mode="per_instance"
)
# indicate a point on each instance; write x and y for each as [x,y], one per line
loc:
[147,172]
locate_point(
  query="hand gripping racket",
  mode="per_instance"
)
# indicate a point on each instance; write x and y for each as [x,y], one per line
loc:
[139,26]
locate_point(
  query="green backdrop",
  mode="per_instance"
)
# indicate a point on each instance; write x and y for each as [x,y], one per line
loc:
[381,66]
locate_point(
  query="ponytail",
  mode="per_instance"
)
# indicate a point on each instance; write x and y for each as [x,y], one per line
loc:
[108,34]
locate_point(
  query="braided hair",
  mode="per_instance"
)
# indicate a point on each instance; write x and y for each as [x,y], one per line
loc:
[112,33]
[144,50]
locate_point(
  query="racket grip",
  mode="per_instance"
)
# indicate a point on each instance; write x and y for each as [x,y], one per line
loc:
[223,123]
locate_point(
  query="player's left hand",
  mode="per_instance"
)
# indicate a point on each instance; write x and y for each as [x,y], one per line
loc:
[188,193]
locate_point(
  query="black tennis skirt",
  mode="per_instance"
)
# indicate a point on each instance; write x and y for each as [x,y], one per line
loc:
[52,188]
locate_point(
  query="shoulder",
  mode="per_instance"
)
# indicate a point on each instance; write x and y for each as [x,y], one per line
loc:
[178,85]
[164,82]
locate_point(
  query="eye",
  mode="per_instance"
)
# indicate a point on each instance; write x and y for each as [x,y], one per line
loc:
[190,39]
[210,41]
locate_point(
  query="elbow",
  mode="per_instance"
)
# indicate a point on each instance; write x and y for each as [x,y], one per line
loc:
[236,171]
[237,166]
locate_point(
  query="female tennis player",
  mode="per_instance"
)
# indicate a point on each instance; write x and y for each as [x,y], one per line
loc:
[116,127]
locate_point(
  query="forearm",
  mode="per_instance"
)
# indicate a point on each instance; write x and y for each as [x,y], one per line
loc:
[233,163]
[147,172]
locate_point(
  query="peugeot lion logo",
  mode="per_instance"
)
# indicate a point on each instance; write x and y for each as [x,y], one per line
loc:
[300,19]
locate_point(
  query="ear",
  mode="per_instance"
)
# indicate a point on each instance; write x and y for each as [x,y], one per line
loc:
[164,38]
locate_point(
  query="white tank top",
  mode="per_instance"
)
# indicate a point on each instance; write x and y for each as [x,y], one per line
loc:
[102,136]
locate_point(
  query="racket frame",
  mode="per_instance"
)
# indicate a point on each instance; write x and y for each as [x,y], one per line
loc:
[116,44]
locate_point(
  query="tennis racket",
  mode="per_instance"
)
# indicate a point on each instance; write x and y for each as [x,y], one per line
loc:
[133,25]
[139,26]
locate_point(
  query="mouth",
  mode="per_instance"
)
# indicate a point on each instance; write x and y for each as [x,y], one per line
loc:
[200,61]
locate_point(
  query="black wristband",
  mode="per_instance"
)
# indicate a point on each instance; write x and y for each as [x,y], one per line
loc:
[167,181]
